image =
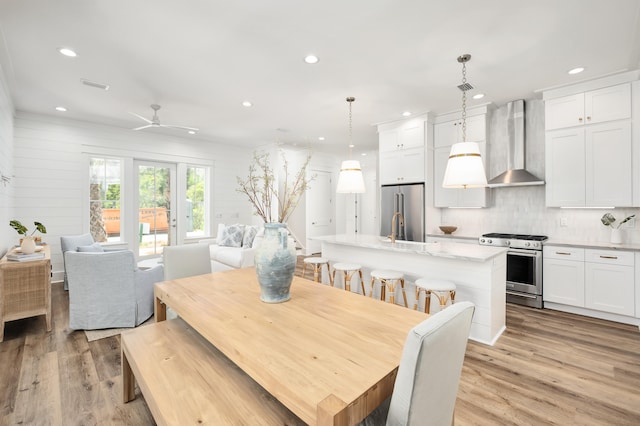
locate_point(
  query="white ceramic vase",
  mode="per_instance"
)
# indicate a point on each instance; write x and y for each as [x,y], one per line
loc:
[28,245]
[616,236]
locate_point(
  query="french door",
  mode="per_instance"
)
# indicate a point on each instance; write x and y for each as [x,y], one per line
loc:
[156,219]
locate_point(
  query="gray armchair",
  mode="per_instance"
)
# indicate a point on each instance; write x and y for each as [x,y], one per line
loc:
[82,242]
[107,290]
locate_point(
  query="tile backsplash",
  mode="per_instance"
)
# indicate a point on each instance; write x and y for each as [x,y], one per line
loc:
[522,209]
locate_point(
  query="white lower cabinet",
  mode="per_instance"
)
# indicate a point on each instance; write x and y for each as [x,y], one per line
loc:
[609,281]
[596,279]
[563,272]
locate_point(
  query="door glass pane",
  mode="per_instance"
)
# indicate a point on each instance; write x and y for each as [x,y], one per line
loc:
[154,194]
[195,201]
[104,198]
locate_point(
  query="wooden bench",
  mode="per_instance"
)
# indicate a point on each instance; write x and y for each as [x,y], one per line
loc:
[186,380]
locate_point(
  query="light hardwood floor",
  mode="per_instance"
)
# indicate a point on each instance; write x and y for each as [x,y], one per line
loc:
[548,368]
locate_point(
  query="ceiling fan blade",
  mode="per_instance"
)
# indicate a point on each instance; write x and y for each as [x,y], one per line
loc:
[179,127]
[143,127]
[141,117]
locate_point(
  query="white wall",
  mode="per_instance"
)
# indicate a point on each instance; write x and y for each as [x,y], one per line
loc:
[49,163]
[522,209]
[7,234]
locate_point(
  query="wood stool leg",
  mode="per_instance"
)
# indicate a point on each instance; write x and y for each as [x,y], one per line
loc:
[415,305]
[372,281]
[304,268]
[404,293]
[333,277]
[347,280]
[443,299]
[364,293]
[427,301]
[316,272]
[331,281]
[392,291]
[453,296]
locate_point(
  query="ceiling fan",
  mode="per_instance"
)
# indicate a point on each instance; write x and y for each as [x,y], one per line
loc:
[155,121]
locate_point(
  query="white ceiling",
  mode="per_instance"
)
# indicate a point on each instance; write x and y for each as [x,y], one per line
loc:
[200,59]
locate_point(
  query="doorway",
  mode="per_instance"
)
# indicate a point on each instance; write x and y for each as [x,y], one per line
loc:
[320,209]
[156,200]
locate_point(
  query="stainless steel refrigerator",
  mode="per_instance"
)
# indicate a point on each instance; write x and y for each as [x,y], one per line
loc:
[408,200]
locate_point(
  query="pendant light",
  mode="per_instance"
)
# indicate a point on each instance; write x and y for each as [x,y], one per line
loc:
[464,168]
[350,180]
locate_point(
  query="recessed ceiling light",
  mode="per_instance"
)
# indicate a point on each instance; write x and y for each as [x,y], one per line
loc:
[577,70]
[67,52]
[247,104]
[192,132]
[364,154]
[61,109]
[311,59]
[478,96]
[406,113]
[321,138]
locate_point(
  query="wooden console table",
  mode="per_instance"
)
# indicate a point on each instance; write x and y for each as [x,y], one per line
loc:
[25,289]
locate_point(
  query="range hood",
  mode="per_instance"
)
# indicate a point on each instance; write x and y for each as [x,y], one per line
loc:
[516,174]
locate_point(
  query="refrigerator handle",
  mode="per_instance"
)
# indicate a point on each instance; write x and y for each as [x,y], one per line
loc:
[401,210]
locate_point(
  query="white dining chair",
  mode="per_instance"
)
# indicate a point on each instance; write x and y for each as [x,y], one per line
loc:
[186,260]
[426,387]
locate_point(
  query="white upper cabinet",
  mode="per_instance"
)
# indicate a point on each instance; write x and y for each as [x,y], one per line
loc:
[591,157]
[450,132]
[406,136]
[595,106]
[402,150]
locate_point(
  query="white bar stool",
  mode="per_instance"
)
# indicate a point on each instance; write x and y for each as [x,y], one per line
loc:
[443,289]
[348,270]
[316,263]
[388,279]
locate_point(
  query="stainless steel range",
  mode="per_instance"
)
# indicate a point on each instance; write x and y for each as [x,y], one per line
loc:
[524,266]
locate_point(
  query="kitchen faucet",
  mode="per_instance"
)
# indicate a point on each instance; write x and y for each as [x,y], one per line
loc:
[393,225]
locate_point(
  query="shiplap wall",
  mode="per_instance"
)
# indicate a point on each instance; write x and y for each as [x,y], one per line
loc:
[6,152]
[50,167]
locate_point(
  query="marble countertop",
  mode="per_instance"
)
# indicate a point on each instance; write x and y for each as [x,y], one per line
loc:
[450,250]
[591,244]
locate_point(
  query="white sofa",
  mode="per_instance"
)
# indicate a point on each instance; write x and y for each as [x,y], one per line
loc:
[225,257]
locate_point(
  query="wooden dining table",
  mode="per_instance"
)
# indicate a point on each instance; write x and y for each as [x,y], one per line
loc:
[328,355]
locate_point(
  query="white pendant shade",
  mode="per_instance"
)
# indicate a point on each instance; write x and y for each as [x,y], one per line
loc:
[350,180]
[464,168]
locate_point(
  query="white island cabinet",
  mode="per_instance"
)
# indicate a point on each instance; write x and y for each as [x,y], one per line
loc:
[479,272]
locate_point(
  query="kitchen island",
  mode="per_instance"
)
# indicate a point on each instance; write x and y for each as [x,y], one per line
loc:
[479,272]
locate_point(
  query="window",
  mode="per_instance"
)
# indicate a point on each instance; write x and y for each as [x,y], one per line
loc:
[195,202]
[105,199]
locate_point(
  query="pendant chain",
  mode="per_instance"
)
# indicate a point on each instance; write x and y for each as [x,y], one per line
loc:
[464,103]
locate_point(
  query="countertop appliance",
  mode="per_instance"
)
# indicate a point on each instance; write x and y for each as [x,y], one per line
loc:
[524,266]
[408,200]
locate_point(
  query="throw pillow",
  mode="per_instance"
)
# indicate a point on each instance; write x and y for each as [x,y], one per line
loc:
[93,248]
[232,236]
[249,234]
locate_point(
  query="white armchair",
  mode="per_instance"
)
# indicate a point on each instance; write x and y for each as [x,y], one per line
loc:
[107,290]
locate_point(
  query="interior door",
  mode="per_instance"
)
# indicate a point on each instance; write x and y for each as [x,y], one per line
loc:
[156,200]
[320,209]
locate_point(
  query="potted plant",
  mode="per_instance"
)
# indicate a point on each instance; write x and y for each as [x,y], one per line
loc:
[609,220]
[275,256]
[28,242]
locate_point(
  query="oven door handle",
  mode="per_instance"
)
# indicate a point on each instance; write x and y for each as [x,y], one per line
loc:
[526,253]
